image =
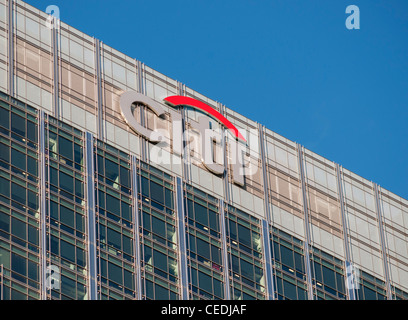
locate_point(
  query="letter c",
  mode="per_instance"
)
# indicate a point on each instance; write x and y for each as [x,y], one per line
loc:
[206,309]
[126,101]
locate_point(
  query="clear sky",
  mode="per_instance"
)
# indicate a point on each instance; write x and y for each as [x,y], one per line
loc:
[291,65]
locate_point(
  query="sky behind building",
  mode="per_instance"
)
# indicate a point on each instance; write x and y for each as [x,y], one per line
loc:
[292,66]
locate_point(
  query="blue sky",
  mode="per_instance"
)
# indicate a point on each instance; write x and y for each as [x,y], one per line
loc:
[291,65]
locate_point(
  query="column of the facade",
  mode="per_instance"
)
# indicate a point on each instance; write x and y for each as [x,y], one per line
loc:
[10,47]
[99,105]
[307,241]
[91,221]
[268,250]
[42,204]
[227,291]
[136,224]
[183,269]
[383,240]
[348,264]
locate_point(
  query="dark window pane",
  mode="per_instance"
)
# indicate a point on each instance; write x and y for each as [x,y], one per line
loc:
[115,273]
[114,239]
[159,227]
[247,269]
[68,287]
[169,198]
[54,176]
[18,228]
[149,289]
[146,221]
[18,159]
[66,182]
[218,288]
[79,188]
[216,254]
[369,294]
[329,277]
[101,199]
[4,152]
[4,187]
[145,187]
[19,264]
[80,257]
[18,193]
[125,177]
[32,166]
[18,124]
[4,222]
[160,260]
[205,281]
[78,155]
[80,222]
[67,251]
[201,214]
[287,257]
[54,210]
[54,245]
[129,280]
[67,216]
[4,118]
[157,192]
[111,170]
[65,147]
[31,131]
[101,167]
[33,270]
[33,235]
[244,235]
[214,223]
[290,290]
[127,245]
[318,272]
[232,230]
[203,248]
[126,211]
[161,293]
[299,262]
[32,200]
[113,204]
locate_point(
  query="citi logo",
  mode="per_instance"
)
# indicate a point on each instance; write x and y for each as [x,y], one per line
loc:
[197,137]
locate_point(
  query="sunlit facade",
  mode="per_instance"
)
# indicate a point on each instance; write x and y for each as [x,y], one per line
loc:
[90,209]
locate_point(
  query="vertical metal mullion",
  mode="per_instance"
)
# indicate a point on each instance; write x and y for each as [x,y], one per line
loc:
[182,239]
[1,281]
[91,221]
[265,223]
[100,128]
[42,203]
[136,231]
[54,39]
[185,153]
[227,195]
[10,21]
[268,260]
[349,278]
[381,224]
[306,222]
[140,88]
[227,292]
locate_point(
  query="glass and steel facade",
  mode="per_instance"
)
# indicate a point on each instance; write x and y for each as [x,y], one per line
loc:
[87,210]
